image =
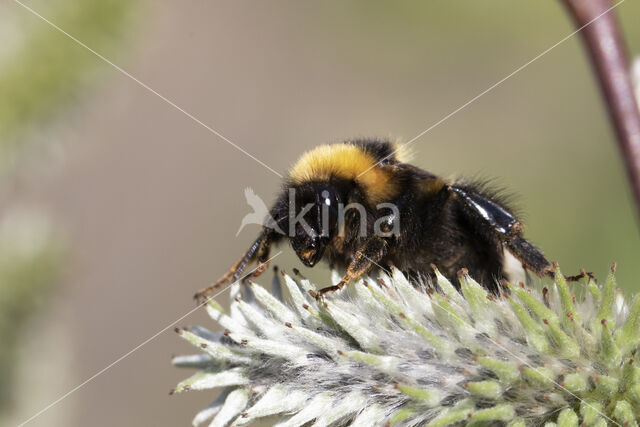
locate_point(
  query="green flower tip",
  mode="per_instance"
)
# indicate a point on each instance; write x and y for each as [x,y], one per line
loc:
[391,352]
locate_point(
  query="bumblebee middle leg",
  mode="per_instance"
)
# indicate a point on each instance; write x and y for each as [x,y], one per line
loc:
[369,255]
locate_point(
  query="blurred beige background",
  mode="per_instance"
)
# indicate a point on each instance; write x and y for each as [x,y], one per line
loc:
[150,201]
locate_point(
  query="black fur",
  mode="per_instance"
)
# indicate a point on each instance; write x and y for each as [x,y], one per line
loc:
[452,225]
[439,227]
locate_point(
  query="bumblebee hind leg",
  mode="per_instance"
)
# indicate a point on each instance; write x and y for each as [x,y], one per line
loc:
[580,276]
[496,222]
[531,258]
[501,224]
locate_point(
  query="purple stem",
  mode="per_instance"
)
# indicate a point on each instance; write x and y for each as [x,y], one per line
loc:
[607,52]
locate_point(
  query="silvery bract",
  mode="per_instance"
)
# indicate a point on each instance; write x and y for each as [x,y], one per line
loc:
[388,352]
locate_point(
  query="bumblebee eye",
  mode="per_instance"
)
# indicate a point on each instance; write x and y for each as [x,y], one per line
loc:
[327,208]
[327,197]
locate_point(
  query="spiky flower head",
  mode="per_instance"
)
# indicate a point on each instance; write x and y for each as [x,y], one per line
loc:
[388,351]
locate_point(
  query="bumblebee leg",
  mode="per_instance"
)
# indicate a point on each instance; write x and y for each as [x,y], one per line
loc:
[533,260]
[493,221]
[530,257]
[238,267]
[580,276]
[263,255]
[369,254]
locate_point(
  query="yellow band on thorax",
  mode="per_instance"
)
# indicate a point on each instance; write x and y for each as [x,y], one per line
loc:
[345,161]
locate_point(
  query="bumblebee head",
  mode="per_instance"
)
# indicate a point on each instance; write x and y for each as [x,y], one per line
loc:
[311,213]
[308,209]
[314,222]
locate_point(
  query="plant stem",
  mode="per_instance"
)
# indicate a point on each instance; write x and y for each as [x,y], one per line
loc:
[607,51]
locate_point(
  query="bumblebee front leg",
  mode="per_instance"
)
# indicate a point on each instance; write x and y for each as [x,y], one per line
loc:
[263,255]
[369,254]
[258,249]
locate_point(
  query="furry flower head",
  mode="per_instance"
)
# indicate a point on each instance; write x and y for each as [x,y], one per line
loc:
[393,352]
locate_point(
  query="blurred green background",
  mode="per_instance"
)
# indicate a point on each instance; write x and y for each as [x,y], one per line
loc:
[136,206]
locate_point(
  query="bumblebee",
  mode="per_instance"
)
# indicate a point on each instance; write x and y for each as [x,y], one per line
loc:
[360,205]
